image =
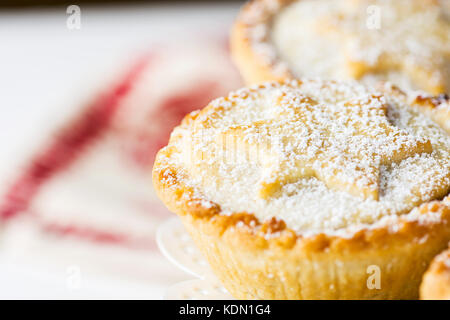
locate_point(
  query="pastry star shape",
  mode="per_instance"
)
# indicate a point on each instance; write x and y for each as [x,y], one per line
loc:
[343,144]
[413,37]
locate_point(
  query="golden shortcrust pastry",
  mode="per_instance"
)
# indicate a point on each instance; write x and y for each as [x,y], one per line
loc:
[403,41]
[313,189]
[436,281]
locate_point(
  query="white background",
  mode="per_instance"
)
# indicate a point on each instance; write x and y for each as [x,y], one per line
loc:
[45,71]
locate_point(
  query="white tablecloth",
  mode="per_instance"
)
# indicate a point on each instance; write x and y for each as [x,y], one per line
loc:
[48,73]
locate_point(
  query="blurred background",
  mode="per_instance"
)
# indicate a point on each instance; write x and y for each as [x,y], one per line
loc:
[90,91]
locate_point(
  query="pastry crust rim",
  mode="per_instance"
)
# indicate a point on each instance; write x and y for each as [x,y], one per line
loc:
[180,199]
[255,67]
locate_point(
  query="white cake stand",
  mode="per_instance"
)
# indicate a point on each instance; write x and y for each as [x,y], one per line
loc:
[177,246]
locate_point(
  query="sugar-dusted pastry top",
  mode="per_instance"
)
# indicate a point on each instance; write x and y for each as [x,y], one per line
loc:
[321,155]
[405,41]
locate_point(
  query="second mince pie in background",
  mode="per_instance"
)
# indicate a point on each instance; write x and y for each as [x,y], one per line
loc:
[403,41]
[313,189]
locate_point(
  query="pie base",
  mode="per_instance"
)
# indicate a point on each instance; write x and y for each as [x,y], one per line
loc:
[257,260]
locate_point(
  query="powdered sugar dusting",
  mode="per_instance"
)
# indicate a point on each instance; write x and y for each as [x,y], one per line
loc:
[322,156]
[297,37]
[404,41]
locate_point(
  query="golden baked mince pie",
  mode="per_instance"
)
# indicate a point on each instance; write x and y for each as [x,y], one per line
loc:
[403,41]
[313,189]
